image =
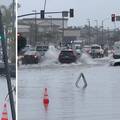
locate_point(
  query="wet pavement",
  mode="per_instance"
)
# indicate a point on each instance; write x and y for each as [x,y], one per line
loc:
[99,101]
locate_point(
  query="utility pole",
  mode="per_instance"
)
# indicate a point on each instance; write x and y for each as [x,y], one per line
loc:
[102,26]
[97,31]
[89,38]
[108,40]
[44,5]
[65,14]
[102,32]
[5,59]
[35,26]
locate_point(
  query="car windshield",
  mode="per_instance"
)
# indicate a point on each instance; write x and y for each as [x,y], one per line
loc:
[67,52]
[30,53]
[95,47]
[42,48]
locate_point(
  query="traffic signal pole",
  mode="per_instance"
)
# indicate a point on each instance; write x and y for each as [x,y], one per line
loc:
[5,59]
[43,11]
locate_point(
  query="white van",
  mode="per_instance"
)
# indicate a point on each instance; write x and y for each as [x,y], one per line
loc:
[116,50]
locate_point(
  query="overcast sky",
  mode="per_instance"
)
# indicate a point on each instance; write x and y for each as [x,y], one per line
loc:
[84,9]
[5,2]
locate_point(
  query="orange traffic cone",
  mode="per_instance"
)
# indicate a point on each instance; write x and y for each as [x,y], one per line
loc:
[46,99]
[4,113]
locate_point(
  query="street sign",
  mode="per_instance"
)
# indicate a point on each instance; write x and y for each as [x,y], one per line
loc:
[117,18]
[64,13]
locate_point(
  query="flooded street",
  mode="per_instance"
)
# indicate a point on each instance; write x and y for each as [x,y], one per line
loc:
[100,100]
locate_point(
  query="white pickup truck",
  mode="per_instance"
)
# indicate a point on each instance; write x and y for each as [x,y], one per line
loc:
[96,51]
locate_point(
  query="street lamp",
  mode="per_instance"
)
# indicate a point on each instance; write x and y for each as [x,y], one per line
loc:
[51,23]
[51,28]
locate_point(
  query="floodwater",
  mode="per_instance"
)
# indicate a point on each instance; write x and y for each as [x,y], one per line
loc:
[100,100]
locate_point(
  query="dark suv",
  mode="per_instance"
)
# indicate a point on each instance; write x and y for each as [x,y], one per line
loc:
[67,56]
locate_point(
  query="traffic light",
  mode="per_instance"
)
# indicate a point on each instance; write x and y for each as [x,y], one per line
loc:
[71,12]
[1,37]
[113,17]
[21,42]
[42,13]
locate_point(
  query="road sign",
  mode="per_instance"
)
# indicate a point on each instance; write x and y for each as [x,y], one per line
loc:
[117,18]
[64,13]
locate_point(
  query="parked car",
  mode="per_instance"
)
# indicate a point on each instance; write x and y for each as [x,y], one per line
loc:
[96,51]
[31,57]
[67,56]
[115,62]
